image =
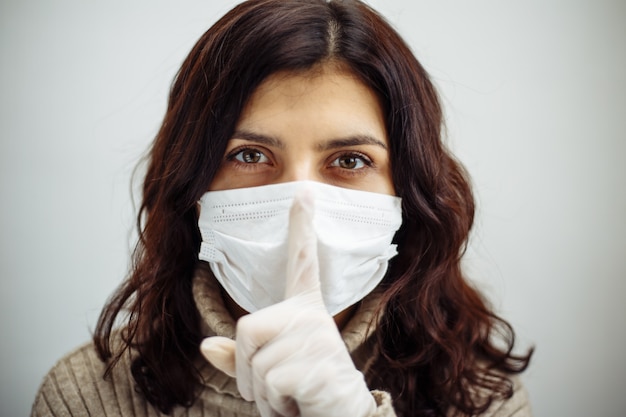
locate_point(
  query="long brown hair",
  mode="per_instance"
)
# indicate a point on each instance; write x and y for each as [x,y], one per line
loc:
[436,338]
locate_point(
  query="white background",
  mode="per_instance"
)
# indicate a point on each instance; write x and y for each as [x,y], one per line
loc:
[535,98]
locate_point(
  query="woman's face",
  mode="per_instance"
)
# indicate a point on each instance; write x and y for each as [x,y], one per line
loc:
[323,125]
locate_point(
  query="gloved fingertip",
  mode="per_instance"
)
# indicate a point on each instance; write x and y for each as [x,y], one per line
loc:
[220,352]
[305,198]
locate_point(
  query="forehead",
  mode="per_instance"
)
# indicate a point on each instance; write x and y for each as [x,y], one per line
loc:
[329,100]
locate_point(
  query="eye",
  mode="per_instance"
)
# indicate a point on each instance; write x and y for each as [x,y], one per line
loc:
[249,156]
[352,161]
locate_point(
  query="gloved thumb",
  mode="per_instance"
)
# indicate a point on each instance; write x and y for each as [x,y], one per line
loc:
[220,352]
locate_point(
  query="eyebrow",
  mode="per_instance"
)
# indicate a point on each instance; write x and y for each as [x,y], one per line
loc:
[259,138]
[353,140]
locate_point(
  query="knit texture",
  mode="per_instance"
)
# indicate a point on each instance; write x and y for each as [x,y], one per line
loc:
[75,386]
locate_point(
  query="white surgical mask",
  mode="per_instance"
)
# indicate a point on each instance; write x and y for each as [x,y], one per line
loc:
[244,239]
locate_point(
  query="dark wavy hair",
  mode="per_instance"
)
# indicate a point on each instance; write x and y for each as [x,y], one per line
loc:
[439,342]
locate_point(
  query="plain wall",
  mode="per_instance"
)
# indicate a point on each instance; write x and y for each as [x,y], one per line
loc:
[535,101]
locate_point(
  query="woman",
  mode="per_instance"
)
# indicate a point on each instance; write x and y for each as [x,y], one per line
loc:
[317,113]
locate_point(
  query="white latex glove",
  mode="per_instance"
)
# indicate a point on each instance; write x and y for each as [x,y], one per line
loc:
[289,358]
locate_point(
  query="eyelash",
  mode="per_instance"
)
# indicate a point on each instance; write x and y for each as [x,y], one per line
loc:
[232,155]
[365,160]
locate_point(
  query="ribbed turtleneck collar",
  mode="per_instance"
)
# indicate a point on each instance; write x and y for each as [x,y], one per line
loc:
[217,321]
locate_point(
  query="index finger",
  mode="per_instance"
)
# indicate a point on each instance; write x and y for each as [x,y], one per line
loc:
[302,262]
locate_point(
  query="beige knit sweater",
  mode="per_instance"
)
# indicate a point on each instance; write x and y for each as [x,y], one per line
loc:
[75,386]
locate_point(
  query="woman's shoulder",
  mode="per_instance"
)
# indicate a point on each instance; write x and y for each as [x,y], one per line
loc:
[76,386]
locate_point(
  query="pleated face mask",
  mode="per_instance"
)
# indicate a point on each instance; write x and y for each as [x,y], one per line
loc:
[245,236]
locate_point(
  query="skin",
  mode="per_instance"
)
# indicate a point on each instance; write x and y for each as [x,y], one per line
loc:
[321,125]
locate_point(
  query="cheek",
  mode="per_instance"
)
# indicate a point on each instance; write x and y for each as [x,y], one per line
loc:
[225,179]
[219,181]
[230,179]
[385,184]
[384,178]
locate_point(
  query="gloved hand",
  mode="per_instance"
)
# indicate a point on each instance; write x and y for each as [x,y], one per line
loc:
[289,358]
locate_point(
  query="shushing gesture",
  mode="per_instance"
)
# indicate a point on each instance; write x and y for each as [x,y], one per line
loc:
[289,358]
